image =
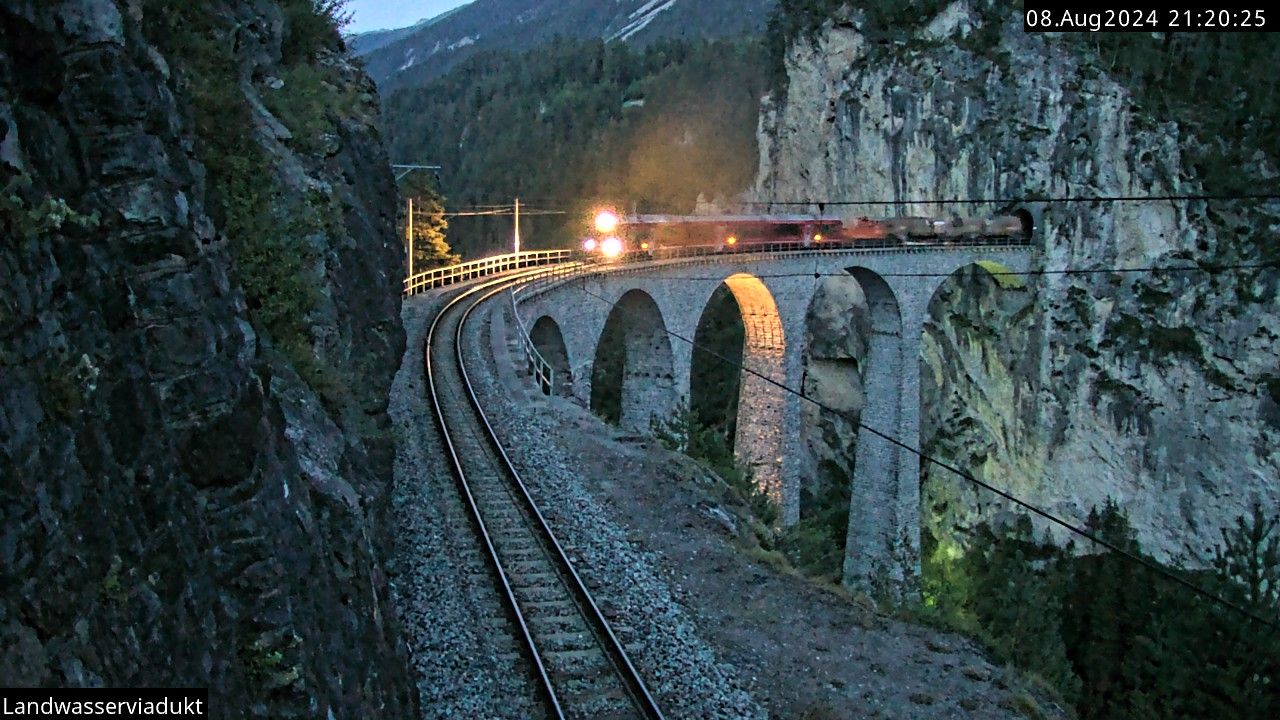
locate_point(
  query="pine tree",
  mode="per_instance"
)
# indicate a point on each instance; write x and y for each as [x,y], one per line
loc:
[1203,660]
[430,244]
[1017,606]
[1108,606]
[1247,568]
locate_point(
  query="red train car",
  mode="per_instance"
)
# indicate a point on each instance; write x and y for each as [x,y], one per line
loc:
[617,235]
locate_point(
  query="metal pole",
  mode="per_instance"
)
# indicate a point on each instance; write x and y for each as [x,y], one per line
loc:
[411,237]
[517,226]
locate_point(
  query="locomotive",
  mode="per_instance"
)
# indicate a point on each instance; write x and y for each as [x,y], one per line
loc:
[619,236]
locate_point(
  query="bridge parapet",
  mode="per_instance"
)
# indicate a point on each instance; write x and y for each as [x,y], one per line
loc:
[450,274]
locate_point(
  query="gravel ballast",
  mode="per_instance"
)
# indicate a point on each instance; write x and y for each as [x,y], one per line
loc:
[440,583]
[681,670]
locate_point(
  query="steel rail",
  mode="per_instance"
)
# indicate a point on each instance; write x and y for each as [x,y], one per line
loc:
[508,594]
[606,639]
[612,645]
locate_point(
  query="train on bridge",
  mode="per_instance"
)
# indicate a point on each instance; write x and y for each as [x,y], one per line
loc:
[616,235]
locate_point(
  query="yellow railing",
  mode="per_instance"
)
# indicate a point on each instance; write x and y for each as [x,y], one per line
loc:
[440,277]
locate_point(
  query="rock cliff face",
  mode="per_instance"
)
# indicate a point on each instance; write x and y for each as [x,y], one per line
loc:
[186,497]
[838,328]
[1156,389]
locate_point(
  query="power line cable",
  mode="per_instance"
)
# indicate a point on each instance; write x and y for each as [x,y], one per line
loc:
[1092,537]
[500,213]
[1022,200]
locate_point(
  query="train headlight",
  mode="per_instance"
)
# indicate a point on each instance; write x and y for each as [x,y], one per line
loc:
[611,247]
[731,241]
[590,245]
[607,222]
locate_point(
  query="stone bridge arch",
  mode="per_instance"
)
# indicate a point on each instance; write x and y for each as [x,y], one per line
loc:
[761,406]
[883,542]
[836,328]
[643,377]
[549,341]
[884,524]
[958,355]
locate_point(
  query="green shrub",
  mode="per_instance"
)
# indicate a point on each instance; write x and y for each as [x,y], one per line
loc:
[271,244]
[310,25]
[684,433]
[816,544]
[25,215]
[1109,636]
[308,104]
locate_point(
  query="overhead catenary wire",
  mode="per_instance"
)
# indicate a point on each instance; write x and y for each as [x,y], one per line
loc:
[1071,527]
[1024,200]
[508,206]
[490,213]
[506,211]
[480,209]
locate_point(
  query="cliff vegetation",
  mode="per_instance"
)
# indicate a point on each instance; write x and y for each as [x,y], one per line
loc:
[199,323]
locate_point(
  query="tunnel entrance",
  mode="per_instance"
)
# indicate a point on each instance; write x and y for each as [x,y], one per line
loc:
[632,376]
[549,342]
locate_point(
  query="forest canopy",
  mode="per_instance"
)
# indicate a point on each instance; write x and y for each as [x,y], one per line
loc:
[580,123]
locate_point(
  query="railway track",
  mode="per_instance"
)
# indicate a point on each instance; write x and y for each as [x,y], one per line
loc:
[577,663]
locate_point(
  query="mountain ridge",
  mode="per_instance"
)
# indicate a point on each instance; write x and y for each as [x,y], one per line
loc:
[364,43]
[415,55]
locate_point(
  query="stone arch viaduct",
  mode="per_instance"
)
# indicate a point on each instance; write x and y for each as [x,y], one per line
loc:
[660,305]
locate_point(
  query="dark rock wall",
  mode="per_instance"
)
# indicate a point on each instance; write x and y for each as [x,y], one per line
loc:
[177,506]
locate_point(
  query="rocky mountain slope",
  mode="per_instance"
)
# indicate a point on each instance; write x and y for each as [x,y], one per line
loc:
[435,46]
[366,42]
[1157,389]
[198,329]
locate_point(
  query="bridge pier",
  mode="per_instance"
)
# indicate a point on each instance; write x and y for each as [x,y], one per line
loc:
[882,549]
